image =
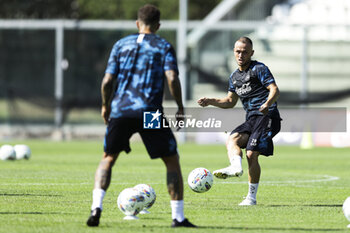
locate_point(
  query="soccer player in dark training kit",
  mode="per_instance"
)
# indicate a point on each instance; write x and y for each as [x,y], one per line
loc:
[254,84]
[139,64]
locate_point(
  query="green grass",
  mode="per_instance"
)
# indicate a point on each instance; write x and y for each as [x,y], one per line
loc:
[52,191]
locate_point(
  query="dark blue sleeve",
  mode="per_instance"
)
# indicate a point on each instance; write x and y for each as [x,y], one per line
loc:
[112,67]
[231,86]
[265,76]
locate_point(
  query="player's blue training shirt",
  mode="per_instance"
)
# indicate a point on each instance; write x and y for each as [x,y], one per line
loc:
[250,85]
[138,62]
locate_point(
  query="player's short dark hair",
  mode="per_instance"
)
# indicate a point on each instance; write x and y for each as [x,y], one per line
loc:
[246,40]
[149,14]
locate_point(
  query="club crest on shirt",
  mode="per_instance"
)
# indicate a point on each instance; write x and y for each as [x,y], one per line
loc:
[247,77]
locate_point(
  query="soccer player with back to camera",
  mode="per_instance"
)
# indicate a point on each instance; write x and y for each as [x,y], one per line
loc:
[139,64]
[254,84]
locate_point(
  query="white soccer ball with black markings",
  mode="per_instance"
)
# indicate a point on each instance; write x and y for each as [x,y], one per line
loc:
[22,152]
[346,209]
[200,180]
[148,193]
[7,152]
[130,202]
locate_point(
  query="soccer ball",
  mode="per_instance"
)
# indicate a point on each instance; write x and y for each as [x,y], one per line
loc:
[7,152]
[148,193]
[22,151]
[346,209]
[200,180]
[130,202]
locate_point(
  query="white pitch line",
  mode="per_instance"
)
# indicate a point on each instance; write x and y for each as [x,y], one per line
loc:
[326,178]
[45,184]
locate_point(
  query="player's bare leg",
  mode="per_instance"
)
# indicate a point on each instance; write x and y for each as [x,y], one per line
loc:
[104,171]
[234,152]
[175,189]
[254,166]
[174,177]
[102,180]
[254,177]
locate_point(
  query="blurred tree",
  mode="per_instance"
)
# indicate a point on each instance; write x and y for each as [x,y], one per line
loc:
[38,9]
[98,9]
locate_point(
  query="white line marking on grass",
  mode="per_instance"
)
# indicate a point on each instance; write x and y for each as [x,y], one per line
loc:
[325,178]
[46,184]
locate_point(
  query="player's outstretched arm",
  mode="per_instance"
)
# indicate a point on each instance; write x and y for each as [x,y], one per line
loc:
[175,90]
[274,93]
[227,102]
[106,93]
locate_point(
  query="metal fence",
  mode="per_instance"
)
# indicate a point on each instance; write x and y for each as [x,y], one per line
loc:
[50,70]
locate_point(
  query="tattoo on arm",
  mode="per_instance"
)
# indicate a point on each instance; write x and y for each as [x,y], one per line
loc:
[107,89]
[174,86]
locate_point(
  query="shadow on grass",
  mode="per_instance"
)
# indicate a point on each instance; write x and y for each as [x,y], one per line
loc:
[29,194]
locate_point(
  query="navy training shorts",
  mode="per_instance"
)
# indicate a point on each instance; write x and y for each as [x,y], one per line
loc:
[158,142]
[261,129]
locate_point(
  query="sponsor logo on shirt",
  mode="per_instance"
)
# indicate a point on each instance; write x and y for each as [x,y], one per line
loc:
[244,89]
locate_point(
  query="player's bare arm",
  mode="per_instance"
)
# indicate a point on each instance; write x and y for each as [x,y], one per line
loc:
[272,97]
[227,102]
[106,92]
[175,90]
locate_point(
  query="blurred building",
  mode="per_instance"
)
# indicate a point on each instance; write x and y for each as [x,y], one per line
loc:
[301,39]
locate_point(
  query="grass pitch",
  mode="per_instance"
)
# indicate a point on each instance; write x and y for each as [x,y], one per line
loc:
[300,191]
